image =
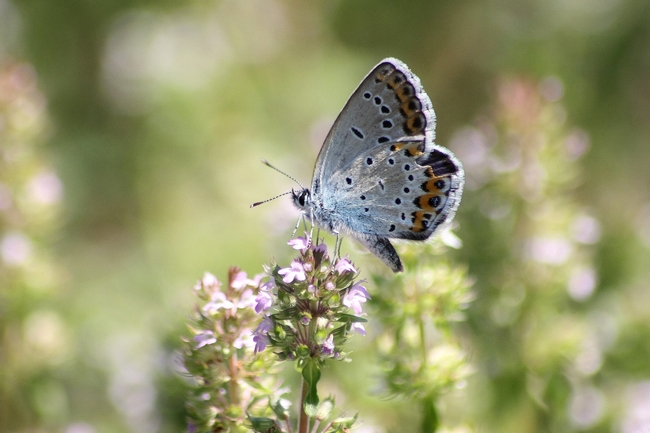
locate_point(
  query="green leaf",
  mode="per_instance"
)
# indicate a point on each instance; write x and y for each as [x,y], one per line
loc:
[311,374]
[262,424]
[343,317]
[430,422]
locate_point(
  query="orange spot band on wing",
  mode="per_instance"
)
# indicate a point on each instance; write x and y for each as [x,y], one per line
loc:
[424,202]
[419,223]
[413,150]
[430,185]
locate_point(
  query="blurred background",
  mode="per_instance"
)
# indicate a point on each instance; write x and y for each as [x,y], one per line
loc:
[130,139]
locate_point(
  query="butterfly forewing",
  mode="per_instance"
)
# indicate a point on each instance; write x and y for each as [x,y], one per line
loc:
[388,105]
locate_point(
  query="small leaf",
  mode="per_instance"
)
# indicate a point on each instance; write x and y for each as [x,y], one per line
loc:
[261,424]
[280,406]
[311,374]
[344,317]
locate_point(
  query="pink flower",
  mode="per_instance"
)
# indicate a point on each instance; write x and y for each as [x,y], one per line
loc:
[208,281]
[261,341]
[358,328]
[320,248]
[264,326]
[246,299]
[242,280]
[328,345]
[299,243]
[295,272]
[344,265]
[259,335]
[205,338]
[246,339]
[263,302]
[218,302]
[354,297]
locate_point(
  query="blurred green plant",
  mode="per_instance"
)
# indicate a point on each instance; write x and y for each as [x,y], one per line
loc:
[420,355]
[535,333]
[229,379]
[34,339]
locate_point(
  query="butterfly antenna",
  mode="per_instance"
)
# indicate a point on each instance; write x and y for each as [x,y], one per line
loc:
[269,199]
[268,164]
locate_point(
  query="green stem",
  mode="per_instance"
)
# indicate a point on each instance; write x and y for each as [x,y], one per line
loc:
[303,422]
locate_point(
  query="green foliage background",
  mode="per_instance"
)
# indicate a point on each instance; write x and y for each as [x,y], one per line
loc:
[154,116]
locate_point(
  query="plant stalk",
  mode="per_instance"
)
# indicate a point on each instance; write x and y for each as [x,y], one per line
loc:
[303,422]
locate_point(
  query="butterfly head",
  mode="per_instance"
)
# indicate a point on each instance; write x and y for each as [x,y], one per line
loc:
[301,198]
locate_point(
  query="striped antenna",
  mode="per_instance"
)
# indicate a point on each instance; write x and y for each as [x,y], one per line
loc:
[269,199]
[268,164]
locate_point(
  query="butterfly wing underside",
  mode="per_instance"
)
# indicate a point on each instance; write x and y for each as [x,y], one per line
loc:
[388,104]
[379,172]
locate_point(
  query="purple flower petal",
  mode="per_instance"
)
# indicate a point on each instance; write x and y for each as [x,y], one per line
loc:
[205,338]
[355,297]
[344,265]
[246,339]
[295,272]
[263,302]
[299,243]
[209,280]
[218,302]
[261,341]
[320,248]
[239,282]
[328,345]
[358,328]
[247,300]
[264,326]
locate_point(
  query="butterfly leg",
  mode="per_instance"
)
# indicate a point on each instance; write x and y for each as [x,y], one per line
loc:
[295,229]
[311,230]
[337,246]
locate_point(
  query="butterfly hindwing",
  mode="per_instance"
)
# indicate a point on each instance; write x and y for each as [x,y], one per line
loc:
[398,191]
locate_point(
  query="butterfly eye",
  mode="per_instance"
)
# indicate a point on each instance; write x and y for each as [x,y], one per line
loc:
[303,197]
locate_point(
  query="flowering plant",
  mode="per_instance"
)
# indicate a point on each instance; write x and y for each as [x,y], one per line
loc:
[305,312]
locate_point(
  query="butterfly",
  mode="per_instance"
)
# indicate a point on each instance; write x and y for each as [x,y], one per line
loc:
[379,175]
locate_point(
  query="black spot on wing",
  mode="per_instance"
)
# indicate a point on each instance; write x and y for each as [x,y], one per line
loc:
[357,132]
